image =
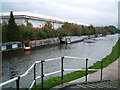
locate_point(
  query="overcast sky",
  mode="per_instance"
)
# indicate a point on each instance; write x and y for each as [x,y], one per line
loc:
[95,12]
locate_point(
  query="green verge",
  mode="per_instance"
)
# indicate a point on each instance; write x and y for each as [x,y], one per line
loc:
[52,82]
[57,80]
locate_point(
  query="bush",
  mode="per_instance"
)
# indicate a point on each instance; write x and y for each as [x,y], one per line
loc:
[26,33]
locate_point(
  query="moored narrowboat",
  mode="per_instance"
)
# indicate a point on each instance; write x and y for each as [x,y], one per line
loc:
[10,46]
[71,39]
[35,43]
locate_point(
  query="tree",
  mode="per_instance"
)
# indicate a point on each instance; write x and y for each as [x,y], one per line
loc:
[65,24]
[48,29]
[11,21]
[4,32]
[29,24]
[13,31]
[110,29]
[48,26]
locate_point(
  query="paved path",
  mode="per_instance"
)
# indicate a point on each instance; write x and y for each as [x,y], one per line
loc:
[109,73]
[99,85]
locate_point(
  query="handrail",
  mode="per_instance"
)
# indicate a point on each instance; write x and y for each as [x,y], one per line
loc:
[32,85]
[38,77]
[9,81]
[74,57]
[27,71]
[52,73]
[43,75]
[52,59]
[81,58]
[80,69]
[47,60]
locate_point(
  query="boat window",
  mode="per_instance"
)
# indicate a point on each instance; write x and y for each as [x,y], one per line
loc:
[40,42]
[49,41]
[56,40]
[32,44]
[37,43]
[27,44]
[45,42]
[52,41]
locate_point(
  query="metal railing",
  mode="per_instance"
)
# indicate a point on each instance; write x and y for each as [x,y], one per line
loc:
[17,79]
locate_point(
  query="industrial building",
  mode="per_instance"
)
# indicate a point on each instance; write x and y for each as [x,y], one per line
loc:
[37,21]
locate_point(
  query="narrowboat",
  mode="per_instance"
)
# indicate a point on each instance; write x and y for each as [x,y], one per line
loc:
[85,37]
[36,43]
[10,46]
[71,39]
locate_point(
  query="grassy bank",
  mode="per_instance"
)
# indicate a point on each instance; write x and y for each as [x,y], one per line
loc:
[78,74]
[115,54]
[68,77]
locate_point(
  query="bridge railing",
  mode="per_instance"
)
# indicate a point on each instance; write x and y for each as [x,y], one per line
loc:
[17,79]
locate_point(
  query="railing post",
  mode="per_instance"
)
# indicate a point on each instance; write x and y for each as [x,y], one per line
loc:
[35,76]
[18,83]
[86,69]
[42,75]
[62,70]
[101,69]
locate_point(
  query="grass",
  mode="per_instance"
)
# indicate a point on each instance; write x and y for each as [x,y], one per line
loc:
[68,77]
[114,55]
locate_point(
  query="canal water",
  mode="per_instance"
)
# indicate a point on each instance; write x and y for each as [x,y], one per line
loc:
[16,63]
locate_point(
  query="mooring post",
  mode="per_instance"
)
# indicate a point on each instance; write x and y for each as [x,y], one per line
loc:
[62,70]
[42,74]
[86,68]
[35,76]
[18,83]
[101,69]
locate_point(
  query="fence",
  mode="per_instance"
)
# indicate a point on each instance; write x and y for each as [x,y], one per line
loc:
[17,79]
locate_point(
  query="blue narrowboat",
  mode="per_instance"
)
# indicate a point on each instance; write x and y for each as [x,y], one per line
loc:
[10,46]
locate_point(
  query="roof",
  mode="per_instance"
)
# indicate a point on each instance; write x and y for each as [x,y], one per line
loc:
[14,42]
[31,17]
[41,40]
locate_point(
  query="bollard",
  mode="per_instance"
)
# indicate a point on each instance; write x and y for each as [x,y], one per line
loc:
[86,69]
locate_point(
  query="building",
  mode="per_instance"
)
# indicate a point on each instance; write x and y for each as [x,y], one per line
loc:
[37,20]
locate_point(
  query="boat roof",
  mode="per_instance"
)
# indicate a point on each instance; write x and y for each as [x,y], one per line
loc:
[41,40]
[14,42]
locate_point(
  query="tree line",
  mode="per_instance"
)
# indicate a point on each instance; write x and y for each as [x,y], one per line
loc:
[13,32]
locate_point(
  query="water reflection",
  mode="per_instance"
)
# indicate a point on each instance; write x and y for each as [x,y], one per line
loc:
[64,46]
[27,52]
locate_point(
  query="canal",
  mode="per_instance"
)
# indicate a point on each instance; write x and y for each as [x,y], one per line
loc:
[16,63]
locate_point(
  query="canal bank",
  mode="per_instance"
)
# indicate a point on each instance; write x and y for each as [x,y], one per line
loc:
[109,73]
[16,65]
